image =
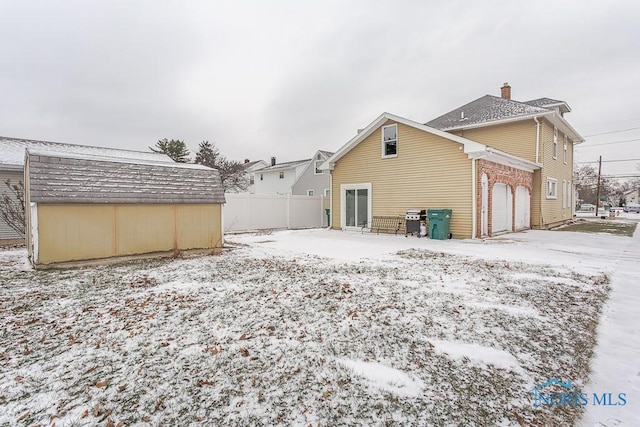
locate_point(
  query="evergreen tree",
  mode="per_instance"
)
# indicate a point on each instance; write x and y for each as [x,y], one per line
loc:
[207,155]
[232,173]
[173,148]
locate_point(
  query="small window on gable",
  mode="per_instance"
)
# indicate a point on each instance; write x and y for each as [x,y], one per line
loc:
[281,175]
[317,164]
[564,150]
[552,188]
[261,177]
[327,192]
[555,142]
[251,179]
[309,192]
[390,141]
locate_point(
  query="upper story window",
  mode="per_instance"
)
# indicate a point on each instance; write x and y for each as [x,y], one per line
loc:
[552,188]
[327,192]
[555,142]
[310,192]
[281,175]
[390,141]
[317,164]
[251,179]
[261,177]
[564,150]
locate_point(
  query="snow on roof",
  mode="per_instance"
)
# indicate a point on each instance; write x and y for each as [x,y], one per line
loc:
[485,109]
[286,165]
[12,151]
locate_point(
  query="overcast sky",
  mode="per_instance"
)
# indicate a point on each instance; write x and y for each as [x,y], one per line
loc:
[285,78]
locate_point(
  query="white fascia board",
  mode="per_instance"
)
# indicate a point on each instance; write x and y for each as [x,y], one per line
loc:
[506,159]
[469,146]
[564,126]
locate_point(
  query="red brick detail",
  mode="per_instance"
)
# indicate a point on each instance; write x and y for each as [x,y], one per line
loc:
[498,174]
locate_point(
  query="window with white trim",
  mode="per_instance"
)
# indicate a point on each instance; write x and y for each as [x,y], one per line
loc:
[569,195]
[261,177]
[281,175]
[564,150]
[555,142]
[317,165]
[390,141]
[552,188]
[564,194]
[327,192]
[252,179]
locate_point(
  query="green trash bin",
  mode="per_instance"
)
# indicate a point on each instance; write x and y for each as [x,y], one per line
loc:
[439,223]
[328,214]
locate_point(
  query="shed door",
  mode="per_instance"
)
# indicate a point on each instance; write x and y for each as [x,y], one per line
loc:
[501,208]
[523,208]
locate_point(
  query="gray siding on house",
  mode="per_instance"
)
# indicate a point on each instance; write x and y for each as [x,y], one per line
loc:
[6,232]
[58,179]
[309,180]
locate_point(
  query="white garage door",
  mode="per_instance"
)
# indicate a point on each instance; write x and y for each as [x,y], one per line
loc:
[523,208]
[501,208]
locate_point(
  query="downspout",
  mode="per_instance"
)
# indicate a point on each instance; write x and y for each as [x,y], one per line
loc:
[474,201]
[535,119]
[330,198]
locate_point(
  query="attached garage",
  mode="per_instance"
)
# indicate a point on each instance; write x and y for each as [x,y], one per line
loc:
[81,208]
[502,206]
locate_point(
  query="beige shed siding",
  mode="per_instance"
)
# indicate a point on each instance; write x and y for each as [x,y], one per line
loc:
[429,172]
[72,232]
[552,212]
[517,138]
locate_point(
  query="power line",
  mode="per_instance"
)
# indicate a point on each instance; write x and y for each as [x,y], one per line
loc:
[613,121]
[613,131]
[612,161]
[606,143]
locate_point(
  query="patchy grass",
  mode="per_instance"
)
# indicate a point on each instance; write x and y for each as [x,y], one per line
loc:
[617,227]
[419,338]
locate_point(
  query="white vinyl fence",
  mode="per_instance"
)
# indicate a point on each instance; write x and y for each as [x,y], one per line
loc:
[251,212]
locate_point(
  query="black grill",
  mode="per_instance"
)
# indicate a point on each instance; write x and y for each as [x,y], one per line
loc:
[414,218]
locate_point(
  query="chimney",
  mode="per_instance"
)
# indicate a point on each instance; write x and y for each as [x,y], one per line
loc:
[273,161]
[505,91]
[246,160]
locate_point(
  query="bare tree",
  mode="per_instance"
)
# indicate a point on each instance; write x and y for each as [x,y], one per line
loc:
[232,173]
[12,207]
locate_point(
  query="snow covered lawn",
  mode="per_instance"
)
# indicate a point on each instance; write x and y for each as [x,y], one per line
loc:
[306,327]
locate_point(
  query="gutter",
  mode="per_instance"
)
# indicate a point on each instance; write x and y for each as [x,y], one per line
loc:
[535,119]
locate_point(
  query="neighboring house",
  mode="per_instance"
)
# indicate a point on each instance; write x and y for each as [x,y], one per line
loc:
[250,169]
[632,196]
[12,156]
[500,165]
[535,131]
[314,181]
[278,178]
[90,207]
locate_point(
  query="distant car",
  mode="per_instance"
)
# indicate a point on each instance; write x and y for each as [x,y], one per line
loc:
[632,207]
[587,207]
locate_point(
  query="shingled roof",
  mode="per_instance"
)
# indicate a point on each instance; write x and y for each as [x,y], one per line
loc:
[12,151]
[486,109]
[71,178]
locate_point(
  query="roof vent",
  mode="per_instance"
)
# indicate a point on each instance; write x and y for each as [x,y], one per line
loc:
[462,117]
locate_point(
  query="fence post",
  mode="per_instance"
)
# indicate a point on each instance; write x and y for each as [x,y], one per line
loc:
[288,211]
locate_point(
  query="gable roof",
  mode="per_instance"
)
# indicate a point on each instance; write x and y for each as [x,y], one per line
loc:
[12,151]
[474,150]
[73,178]
[490,110]
[324,154]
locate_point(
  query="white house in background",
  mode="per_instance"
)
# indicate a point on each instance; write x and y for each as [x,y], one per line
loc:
[632,196]
[313,181]
[278,178]
[300,177]
[250,169]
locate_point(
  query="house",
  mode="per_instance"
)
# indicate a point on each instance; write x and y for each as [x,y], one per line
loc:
[396,164]
[12,155]
[300,177]
[313,181]
[90,207]
[632,196]
[500,165]
[533,130]
[250,168]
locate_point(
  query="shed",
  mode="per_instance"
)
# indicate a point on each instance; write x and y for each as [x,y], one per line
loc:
[89,207]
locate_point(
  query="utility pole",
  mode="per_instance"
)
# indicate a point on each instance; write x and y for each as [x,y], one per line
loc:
[598,188]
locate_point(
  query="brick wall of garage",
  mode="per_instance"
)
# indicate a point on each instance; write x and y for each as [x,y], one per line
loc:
[498,174]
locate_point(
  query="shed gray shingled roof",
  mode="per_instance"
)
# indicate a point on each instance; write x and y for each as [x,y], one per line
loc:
[66,178]
[486,109]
